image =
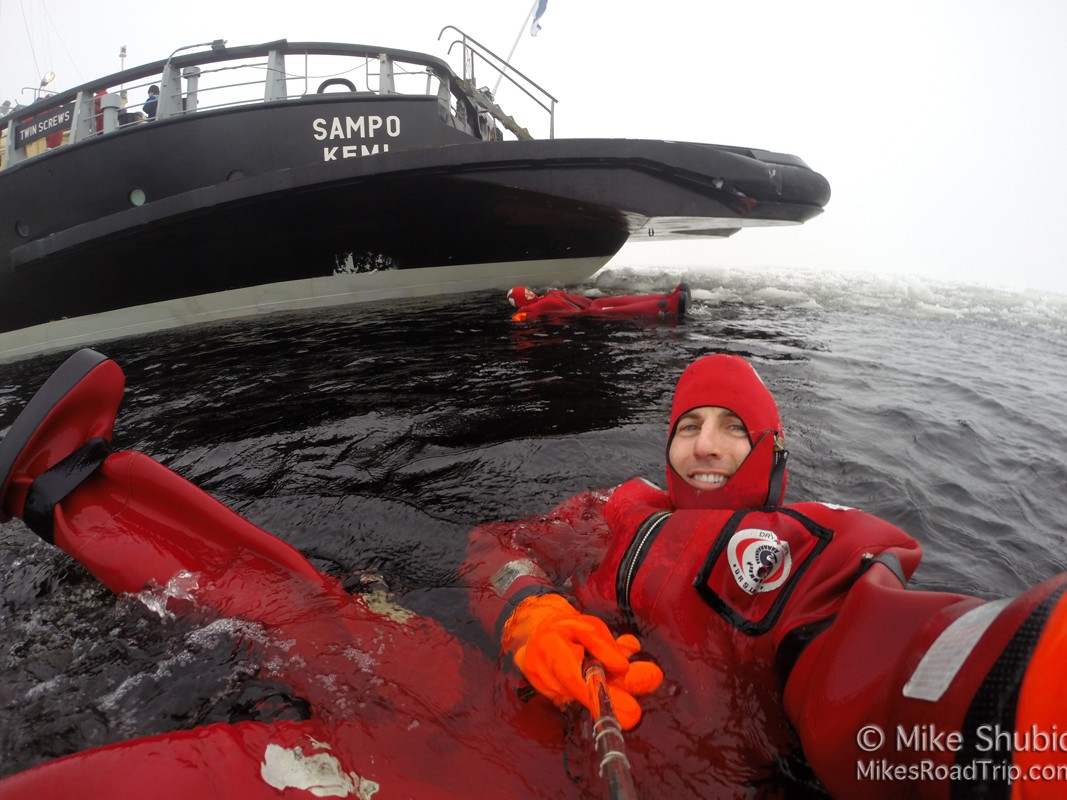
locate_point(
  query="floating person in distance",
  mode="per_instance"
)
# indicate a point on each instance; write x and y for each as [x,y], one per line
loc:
[557,303]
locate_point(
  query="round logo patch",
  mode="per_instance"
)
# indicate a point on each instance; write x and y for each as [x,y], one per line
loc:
[759,560]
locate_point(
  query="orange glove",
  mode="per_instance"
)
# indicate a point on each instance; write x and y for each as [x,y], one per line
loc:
[550,639]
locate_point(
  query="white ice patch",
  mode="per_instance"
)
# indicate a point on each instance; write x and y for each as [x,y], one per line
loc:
[320,774]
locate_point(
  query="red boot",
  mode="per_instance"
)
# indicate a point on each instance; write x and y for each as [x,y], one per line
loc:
[69,420]
[679,300]
[125,517]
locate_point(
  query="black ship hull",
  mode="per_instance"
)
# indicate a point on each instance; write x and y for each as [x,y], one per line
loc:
[332,198]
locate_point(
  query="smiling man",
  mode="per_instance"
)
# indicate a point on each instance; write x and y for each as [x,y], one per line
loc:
[778,628]
[708,446]
[726,448]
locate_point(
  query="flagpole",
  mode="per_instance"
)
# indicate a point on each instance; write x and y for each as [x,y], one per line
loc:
[514,47]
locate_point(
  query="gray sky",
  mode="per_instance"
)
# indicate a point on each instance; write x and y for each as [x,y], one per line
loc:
[941,126]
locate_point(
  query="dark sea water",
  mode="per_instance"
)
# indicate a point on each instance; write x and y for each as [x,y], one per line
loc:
[374,437]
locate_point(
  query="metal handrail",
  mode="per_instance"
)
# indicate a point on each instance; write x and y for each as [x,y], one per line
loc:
[473,48]
[102,106]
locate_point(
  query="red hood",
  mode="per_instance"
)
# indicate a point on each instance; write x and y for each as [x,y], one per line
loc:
[730,382]
[517,297]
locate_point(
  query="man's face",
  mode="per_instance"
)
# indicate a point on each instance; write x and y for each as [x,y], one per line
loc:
[709,445]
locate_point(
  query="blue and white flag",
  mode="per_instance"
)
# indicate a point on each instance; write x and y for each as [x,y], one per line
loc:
[535,26]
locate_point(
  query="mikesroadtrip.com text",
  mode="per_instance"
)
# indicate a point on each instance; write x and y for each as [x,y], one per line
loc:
[989,754]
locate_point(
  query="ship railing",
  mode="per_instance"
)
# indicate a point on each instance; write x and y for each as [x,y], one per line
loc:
[474,54]
[222,78]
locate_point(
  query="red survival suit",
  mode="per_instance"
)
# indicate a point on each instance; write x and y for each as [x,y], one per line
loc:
[555,302]
[779,619]
[386,690]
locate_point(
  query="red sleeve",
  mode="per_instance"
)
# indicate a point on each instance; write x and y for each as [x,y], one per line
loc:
[510,561]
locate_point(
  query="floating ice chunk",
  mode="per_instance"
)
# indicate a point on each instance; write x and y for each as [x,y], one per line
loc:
[379,603]
[320,773]
[180,587]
